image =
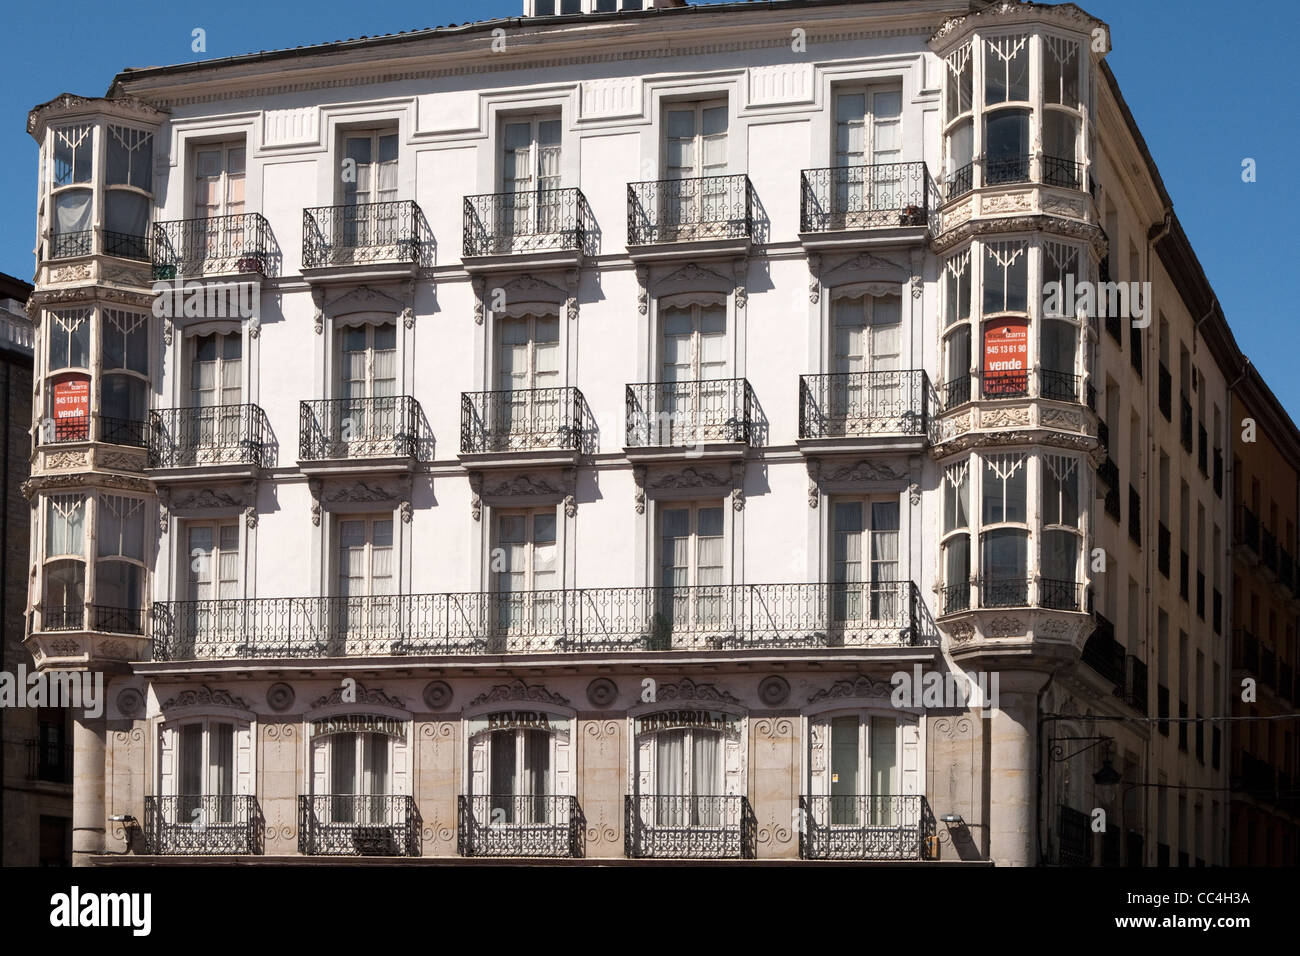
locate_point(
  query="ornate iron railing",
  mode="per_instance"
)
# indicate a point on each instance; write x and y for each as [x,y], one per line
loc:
[123,431]
[523,420]
[1060,171]
[889,827]
[217,245]
[689,413]
[358,825]
[858,404]
[865,197]
[519,826]
[499,224]
[595,620]
[49,761]
[960,181]
[116,620]
[124,245]
[358,233]
[956,391]
[1075,838]
[1004,592]
[218,825]
[66,430]
[686,827]
[68,245]
[1060,595]
[686,210]
[340,428]
[209,435]
[1008,384]
[1060,386]
[955,597]
[60,617]
[1006,169]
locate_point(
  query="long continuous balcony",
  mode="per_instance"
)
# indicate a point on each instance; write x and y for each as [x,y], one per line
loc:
[852,198]
[361,233]
[689,827]
[890,827]
[516,223]
[733,617]
[358,825]
[218,825]
[865,404]
[535,419]
[673,414]
[349,428]
[210,435]
[217,245]
[690,210]
[533,825]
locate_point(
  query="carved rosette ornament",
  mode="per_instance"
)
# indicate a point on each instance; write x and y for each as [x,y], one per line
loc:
[571,304]
[167,332]
[164,508]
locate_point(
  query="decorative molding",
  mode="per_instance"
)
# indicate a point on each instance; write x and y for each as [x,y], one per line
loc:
[1044,223]
[476,494]
[206,696]
[1003,627]
[687,689]
[740,269]
[773,690]
[280,697]
[168,331]
[66,459]
[570,482]
[862,687]
[814,466]
[738,485]
[814,283]
[318,316]
[518,690]
[571,277]
[1006,202]
[364,695]
[130,702]
[479,285]
[437,695]
[250,517]
[863,471]
[689,478]
[642,289]
[522,485]
[408,317]
[638,488]
[959,632]
[313,486]
[602,692]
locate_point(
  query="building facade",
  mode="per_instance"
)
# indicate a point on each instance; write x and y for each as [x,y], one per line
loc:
[550,437]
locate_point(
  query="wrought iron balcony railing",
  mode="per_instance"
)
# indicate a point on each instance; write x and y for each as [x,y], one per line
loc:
[124,245]
[889,827]
[1247,529]
[603,620]
[960,181]
[1075,848]
[49,761]
[69,245]
[1004,591]
[955,598]
[512,223]
[211,824]
[1051,384]
[533,419]
[1005,384]
[685,827]
[216,245]
[688,210]
[89,617]
[861,404]
[1104,654]
[358,825]
[209,435]
[343,428]
[1060,595]
[866,197]
[361,233]
[1061,386]
[111,431]
[534,825]
[956,391]
[689,413]
[1006,169]
[1063,172]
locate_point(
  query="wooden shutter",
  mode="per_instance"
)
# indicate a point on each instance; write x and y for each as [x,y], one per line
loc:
[167,761]
[320,766]
[401,767]
[733,753]
[909,766]
[645,764]
[818,734]
[478,764]
[560,760]
[243,759]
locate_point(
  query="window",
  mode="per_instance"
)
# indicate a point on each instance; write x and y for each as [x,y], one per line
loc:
[868,125]
[862,773]
[218,198]
[1006,129]
[205,768]
[691,570]
[688,766]
[371,157]
[520,775]
[72,195]
[367,386]
[128,195]
[211,578]
[956,537]
[528,370]
[69,339]
[64,588]
[865,552]
[868,341]
[530,176]
[1062,537]
[1061,71]
[1006,341]
[1006,70]
[216,388]
[959,117]
[365,581]
[524,570]
[957,339]
[359,778]
[124,397]
[1004,550]
[695,146]
[1006,277]
[693,354]
[119,568]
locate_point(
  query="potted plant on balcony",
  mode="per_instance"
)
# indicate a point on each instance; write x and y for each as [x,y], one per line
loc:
[912,216]
[251,262]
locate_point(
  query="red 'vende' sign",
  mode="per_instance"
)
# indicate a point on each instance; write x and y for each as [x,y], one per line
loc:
[71,409]
[1006,356]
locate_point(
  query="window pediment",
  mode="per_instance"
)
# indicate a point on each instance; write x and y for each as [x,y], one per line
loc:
[527,295]
[692,285]
[866,270]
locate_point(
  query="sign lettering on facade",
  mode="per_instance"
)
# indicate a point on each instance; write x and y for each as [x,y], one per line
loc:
[699,719]
[388,726]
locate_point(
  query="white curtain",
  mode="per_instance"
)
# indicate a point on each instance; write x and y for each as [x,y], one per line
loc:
[706,777]
[670,777]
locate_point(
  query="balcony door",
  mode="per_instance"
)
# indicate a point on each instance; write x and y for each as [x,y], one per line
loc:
[868,144]
[867,388]
[525,576]
[528,378]
[367,413]
[520,776]
[855,783]
[365,602]
[694,403]
[212,580]
[687,778]
[691,568]
[218,191]
[216,391]
[864,562]
[359,778]
[695,147]
[530,179]
[206,765]
[369,179]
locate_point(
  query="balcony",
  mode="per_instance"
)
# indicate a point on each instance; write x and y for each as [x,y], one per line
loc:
[1218,472]
[1165,391]
[841,205]
[1051,385]
[214,435]
[956,392]
[540,422]
[1135,685]
[208,825]
[519,826]
[89,617]
[713,210]
[1245,651]
[1112,500]
[1103,436]
[1185,423]
[867,828]
[1202,450]
[108,430]
[1268,549]
[690,414]
[1061,172]
[1006,169]
[348,429]
[215,246]
[689,827]
[1247,529]
[1163,543]
[1134,516]
[358,825]
[731,617]
[551,227]
[1060,595]
[125,245]
[955,598]
[1104,654]
[70,245]
[49,761]
[862,405]
[1004,592]
[364,234]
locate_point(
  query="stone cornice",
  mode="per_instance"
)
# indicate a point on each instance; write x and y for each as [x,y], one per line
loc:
[1065,16]
[1056,225]
[68,106]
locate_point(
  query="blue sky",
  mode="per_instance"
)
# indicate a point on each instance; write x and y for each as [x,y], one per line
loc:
[1207,82]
